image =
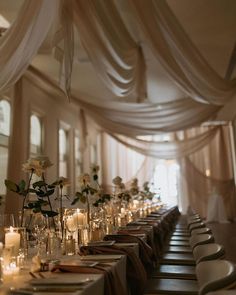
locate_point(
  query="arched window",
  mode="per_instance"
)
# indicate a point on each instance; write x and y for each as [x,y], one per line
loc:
[35,135]
[5,110]
[5,118]
[78,160]
[63,159]
[93,154]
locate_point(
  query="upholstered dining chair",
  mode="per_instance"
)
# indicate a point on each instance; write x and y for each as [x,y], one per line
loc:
[215,275]
[200,253]
[211,276]
[188,246]
[184,267]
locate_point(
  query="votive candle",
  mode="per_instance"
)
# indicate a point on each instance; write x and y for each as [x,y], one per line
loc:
[12,238]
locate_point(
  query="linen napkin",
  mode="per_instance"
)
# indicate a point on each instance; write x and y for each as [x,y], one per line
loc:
[112,286]
[146,252]
[136,273]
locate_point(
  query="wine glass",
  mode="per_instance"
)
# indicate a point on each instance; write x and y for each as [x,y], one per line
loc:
[38,229]
[71,223]
[71,226]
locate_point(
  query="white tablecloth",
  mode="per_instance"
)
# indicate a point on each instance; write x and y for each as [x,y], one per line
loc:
[96,286]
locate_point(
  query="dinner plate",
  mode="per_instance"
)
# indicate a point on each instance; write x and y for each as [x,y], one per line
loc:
[101,243]
[102,257]
[59,281]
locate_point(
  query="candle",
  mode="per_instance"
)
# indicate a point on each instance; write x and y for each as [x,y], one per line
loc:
[80,217]
[12,239]
[71,224]
[122,211]
[10,270]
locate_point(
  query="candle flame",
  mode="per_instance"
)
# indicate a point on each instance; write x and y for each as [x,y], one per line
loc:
[11,229]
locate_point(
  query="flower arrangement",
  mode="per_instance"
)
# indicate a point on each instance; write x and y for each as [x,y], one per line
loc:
[40,189]
[87,190]
[134,189]
[61,183]
[146,193]
[120,190]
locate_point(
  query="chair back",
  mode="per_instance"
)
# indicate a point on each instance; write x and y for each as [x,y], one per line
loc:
[202,230]
[193,221]
[196,225]
[200,239]
[215,275]
[208,252]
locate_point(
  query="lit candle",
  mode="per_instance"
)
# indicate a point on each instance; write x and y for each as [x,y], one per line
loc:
[10,270]
[13,239]
[122,211]
[80,217]
[71,224]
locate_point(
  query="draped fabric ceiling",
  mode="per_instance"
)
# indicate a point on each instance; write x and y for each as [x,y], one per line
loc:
[119,61]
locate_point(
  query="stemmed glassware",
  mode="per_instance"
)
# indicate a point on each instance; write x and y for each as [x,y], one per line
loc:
[38,230]
[71,226]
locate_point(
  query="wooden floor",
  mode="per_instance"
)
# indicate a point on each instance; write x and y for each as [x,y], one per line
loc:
[225,234]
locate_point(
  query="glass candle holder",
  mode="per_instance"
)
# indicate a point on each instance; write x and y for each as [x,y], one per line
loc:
[13,239]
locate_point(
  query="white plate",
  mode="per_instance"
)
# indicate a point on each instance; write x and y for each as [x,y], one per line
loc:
[101,243]
[101,257]
[59,281]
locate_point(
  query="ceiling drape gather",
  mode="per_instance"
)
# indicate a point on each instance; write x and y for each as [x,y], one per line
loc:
[168,149]
[179,56]
[21,41]
[132,119]
[116,57]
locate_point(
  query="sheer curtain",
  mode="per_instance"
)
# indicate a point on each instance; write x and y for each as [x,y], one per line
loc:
[119,160]
[207,170]
[21,41]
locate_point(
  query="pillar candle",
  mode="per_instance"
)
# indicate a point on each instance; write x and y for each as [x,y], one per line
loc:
[12,239]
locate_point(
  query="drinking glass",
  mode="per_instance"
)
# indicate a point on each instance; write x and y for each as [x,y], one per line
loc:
[39,230]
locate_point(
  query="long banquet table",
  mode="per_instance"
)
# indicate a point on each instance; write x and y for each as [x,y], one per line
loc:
[137,248]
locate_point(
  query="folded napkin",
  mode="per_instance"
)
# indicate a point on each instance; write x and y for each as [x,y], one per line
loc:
[112,286]
[146,253]
[147,230]
[136,273]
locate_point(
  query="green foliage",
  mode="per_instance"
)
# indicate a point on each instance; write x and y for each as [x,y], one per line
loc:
[103,198]
[16,188]
[40,188]
[79,197]
[125,196]
[95,177]
[83,195]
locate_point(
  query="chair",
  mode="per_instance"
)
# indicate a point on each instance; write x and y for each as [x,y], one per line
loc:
[181,270]
[210,251]
[193,241]
[196,225]
[215,275]
[211,276]
[184,234]
[199,231]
